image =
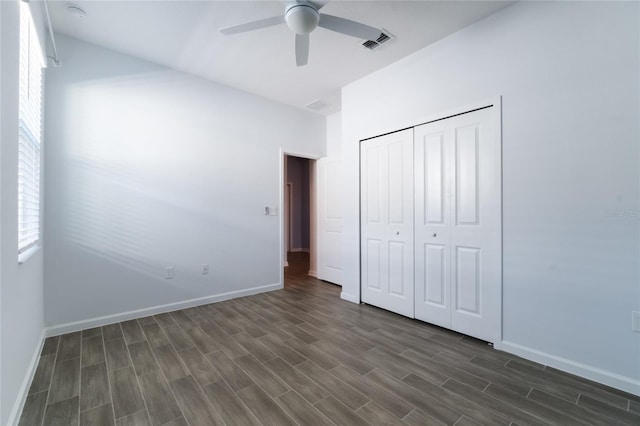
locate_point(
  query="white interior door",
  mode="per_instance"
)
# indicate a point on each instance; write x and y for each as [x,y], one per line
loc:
[330,221]
[458,224]
[386,193]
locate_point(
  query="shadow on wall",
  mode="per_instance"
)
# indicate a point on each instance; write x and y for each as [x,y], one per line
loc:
[138,184]
[146,168]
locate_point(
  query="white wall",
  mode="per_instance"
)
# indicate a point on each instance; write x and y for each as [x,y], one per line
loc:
[568,74]
[334,135]
[147,168]
[21,293]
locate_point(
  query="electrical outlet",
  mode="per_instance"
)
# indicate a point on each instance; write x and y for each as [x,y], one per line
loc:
[635,321]
[168,272]
[205,268]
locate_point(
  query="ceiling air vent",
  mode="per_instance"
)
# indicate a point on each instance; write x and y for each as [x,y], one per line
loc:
[384,37]
[317,105]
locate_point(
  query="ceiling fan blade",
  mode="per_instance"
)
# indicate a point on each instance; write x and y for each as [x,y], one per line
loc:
[253,25]
[302,49]
[348,27]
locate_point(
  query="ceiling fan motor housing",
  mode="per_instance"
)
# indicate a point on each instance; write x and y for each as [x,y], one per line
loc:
[302,18]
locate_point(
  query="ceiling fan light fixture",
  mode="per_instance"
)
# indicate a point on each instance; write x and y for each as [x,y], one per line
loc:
[302,18]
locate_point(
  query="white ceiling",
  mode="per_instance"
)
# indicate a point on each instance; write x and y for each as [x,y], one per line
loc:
[184,35]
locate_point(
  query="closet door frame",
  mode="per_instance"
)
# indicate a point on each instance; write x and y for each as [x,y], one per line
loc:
[496,103]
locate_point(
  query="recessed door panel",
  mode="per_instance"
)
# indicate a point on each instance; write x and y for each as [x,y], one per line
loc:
[434,275]
[467,175]
[333,182]
[333,255]
[468,280]
[397,285]
[397,196]
[434,180]
[373,185]
[373,278]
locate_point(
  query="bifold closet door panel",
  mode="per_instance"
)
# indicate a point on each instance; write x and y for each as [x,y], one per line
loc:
[386,220]
[458,254]
[432,152]
[476,233]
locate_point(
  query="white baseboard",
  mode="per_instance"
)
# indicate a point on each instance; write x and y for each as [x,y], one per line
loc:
[313,274]
[297,250]
[583,370]
[14,418]
[349,297]
[124,316]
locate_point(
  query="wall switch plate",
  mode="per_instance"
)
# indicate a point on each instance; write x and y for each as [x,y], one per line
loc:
[635,321]
[205,268]
[168,272]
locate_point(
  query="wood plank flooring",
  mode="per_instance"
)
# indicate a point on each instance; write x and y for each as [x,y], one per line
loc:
[301,356]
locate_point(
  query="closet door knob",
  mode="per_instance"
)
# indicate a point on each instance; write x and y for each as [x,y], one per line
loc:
[435,235]
[397,232]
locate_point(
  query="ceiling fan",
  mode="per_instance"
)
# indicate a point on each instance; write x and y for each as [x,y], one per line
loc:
[302,17]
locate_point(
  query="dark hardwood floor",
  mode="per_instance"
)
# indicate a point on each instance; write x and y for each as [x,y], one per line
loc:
[301,356]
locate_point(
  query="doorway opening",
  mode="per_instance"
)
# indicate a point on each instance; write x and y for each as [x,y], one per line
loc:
[299,218]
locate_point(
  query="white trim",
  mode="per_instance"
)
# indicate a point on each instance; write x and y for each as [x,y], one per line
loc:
[497,114]
[313,217]
[281,194]
[300,154]
[26,383]
[313,274]
[298,250]
[605,377]
[289,210]
[350,297]
[283,153]
[139,313]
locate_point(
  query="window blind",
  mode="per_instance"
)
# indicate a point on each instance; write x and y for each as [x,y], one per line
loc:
[30,132]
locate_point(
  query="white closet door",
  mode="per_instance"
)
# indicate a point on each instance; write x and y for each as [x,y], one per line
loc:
[458,224]
[476,235]
[386,165]
[330,221]
[433,223]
